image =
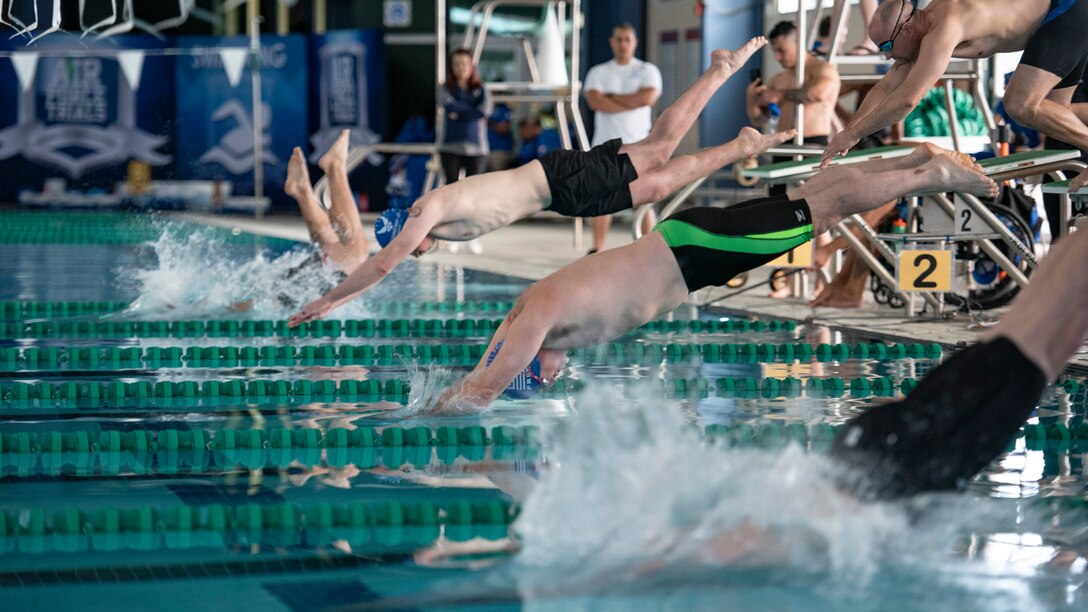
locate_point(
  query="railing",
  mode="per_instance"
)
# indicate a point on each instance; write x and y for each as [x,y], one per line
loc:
[357,155]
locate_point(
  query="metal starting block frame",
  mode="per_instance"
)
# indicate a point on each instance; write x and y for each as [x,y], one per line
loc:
[1018,166]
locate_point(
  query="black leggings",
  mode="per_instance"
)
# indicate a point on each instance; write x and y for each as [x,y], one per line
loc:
[452,164]
[961,417]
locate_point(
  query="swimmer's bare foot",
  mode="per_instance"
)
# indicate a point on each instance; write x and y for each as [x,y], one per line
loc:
[923,153]
[298,176]
[954,176]
[753,142]
[927,151]
[337,156]
[729,62]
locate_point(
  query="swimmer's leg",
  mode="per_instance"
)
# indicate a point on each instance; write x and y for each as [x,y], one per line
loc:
[298,187]
[1031,100]
[852,172]
[1049,319]
[657,184]
[967,410]
[675,121]
[952,425]
[941,174]
[342,211]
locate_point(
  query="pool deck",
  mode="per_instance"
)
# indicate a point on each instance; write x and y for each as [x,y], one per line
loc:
[534,249]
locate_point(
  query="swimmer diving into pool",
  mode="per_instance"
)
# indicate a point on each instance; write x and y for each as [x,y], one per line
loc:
[609,178]
[338,233]
[1051,33]
[608,294]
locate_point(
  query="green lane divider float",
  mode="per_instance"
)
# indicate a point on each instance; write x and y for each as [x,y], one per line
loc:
[243,519]
[135,358]
[109,453]
[19,310]
[52,227]
[1056,437]
[87,453]
[44,395]
[170,452]
[362,328]
[41,310]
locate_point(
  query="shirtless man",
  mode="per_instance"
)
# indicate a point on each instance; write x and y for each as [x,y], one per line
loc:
[338,232]
[605,180]
[608,294]
[819,93]
[923,41]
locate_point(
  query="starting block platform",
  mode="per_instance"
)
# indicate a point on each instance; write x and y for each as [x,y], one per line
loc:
[1004,249]
[1062,188]
[799,170]
[1025,164]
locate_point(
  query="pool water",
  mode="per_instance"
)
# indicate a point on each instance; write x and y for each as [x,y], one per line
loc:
[161,449]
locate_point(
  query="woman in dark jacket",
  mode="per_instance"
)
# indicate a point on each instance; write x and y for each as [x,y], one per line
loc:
[467,104]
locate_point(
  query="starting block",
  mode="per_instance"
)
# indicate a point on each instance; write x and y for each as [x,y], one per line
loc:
[799,170]
[1078,200]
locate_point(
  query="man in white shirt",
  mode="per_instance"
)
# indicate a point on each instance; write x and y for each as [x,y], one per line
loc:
[621,93]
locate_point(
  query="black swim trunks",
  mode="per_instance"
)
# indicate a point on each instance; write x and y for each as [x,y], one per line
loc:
[712,245]
[590,183]
[1060,45]
[961,417]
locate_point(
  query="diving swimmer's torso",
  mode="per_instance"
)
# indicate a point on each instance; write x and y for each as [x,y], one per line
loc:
[990,26]
[480,204]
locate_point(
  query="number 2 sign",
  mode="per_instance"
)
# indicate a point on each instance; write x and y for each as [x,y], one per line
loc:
[925,271]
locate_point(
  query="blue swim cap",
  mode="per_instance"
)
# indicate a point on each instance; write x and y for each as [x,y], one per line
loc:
[389,224]
[527,383]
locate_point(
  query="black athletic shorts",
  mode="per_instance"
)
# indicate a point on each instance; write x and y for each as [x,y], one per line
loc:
[712,245]
[590,183]
[1060,45]
[959,419]
[777,159]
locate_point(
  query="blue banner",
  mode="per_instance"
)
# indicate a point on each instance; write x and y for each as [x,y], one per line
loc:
[80,116]
[215,119]
[348,89]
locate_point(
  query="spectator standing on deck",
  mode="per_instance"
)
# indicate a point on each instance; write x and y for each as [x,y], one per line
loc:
[467,104]
[621,93]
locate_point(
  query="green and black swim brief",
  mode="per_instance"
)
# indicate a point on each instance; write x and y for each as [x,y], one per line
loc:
[712,245]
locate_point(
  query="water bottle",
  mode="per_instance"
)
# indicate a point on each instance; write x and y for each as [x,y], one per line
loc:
[775,116]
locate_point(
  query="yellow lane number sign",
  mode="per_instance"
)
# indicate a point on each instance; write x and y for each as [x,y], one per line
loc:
[925,271]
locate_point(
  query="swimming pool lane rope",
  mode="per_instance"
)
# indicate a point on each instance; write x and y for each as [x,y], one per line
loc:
[94,453]
[361,328]
[114,358]
[217,395]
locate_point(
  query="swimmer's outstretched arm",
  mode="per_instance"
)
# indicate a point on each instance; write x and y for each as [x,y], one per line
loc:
[373,270]
[906,85]
[521,343]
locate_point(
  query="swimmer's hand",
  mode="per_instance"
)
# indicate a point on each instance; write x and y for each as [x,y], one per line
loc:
[839,145]
[314,310]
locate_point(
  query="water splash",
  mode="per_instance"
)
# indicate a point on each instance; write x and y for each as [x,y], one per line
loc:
[196,274]
[636,489]
[427,384]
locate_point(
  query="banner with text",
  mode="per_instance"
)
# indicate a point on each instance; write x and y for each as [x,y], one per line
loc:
[82,116]
[216,138]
